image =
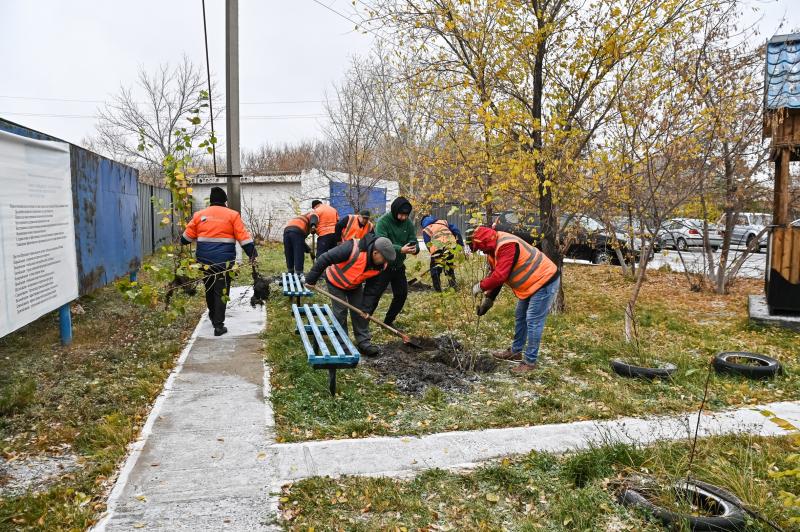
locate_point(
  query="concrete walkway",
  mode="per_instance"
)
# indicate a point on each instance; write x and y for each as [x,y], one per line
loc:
[200,462]
[465,449]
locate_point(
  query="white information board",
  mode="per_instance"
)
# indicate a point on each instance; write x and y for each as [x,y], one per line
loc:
[37,230]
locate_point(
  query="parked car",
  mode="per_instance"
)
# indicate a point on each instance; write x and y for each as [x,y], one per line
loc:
[747,226]
[683,233]
[587,239]
[641,234]
[583,237]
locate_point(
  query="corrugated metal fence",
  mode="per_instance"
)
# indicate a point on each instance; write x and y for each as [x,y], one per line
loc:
[457,214]
[152,201]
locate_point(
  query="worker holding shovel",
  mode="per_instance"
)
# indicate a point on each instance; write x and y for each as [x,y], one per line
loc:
[532,277]
[346,267]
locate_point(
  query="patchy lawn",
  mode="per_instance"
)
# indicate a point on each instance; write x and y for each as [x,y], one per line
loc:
[542,491]
[574,380]
[80,405]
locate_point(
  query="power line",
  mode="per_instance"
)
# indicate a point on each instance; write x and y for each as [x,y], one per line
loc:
[351,21]
[76,100]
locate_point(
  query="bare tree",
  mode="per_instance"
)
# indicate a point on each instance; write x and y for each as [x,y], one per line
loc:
[269,159]
[138,126]
[354,132]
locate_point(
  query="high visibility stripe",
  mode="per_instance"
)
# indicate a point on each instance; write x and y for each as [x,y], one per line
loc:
[187,237]
[532,263]
[213,239]
[340,272]
[245,242]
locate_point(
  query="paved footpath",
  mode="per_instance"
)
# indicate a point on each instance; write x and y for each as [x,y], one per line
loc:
[405,456]
[207,459]
[200,461]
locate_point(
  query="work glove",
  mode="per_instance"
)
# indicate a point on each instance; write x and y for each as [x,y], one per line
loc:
[484,306]
[476,289]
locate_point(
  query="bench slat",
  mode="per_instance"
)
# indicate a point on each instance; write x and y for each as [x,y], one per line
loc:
[320,340]
[341,332]
[329,331]
[301,329]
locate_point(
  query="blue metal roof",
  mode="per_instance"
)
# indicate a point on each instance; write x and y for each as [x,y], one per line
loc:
[783,72]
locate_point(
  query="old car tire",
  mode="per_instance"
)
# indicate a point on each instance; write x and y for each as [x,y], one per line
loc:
[629,370]
[681,244]
[767,366]
[729,512]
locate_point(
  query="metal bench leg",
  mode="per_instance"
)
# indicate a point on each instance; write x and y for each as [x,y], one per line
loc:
[332,381]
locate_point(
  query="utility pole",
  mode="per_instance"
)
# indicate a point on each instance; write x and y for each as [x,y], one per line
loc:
[233,163]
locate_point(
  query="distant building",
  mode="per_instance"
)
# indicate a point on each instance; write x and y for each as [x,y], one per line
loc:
[269,201]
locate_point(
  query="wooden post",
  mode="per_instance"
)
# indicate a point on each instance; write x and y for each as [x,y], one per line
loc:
[781,205]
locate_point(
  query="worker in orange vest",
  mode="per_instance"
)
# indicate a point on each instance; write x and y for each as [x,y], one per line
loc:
[346,267]
[326,230]
[354,226]
[533,278]
[216,229]
[294,240]
[441,238]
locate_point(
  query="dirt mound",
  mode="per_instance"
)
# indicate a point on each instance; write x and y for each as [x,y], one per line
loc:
[438,363]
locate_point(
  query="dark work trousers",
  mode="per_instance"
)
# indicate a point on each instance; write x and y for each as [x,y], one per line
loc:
[217,284]
[294,249]
[325,243]
[360,325]
[442,261]
[397,279]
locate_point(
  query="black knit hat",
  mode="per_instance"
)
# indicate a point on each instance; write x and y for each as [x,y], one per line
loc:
[218,196]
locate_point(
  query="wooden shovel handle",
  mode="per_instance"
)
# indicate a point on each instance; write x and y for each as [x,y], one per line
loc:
[363,314]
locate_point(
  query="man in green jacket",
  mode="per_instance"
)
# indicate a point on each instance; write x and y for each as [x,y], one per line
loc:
[395,225]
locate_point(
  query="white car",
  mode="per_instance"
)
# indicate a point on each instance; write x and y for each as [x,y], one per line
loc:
[746,227]
[681,233]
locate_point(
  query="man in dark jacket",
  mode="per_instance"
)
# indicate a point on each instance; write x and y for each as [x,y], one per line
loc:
[395,225]
[346,267]
[216,229]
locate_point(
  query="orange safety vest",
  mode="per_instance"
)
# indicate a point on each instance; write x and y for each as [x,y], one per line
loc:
[303,222]
[353,230]
[440,236]
[328,216]
[348,275]
[531,270]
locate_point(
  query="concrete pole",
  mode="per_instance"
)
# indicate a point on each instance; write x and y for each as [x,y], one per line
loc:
[234,166]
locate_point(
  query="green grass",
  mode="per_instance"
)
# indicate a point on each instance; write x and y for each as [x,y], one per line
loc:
[89,399]
[540,491]
[574,380]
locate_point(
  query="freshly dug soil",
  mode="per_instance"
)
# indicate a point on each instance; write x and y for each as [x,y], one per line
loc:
[413,370]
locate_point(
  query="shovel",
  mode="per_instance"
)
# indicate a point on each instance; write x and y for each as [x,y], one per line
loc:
[403,336]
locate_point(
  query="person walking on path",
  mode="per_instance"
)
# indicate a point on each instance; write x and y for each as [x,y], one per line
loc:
[294,241]
[441,238]
[397,227]
[346,267]
[326,228]
[354,226]
[216,229]
[533,278]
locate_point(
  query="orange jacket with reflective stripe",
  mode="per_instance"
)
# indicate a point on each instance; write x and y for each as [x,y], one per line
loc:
[303,222]
[349,274]
[328,216]
[354,230]
[440,236]
[531,270]
[216,229]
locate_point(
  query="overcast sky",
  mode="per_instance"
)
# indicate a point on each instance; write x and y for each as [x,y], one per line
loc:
[291,51]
